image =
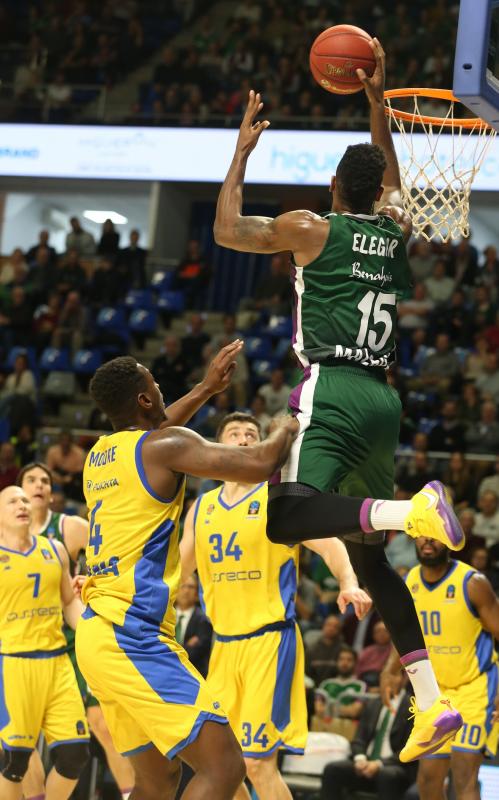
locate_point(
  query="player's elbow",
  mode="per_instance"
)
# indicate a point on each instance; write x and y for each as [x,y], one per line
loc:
[221,235]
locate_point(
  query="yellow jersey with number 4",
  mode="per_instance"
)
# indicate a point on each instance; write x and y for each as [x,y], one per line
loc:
[459,648]
[246,582]
[30,600]
[132,555]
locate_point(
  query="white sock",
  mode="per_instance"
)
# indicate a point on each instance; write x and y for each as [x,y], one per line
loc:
[424,683]
[126,795]
[389,514]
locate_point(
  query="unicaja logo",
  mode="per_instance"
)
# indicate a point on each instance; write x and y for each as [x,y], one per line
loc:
[345,70]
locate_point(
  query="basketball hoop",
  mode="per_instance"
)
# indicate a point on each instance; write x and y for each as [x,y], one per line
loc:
[438,172]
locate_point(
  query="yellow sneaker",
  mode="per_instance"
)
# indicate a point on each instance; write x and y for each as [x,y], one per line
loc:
[432,728]
[432,515]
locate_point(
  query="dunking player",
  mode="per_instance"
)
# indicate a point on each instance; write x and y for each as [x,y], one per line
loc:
[37,683]
[350,268]
[459,614]
[154,701]
[248,589]
[72,531]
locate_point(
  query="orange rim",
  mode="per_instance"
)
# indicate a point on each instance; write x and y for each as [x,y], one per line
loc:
[437,94]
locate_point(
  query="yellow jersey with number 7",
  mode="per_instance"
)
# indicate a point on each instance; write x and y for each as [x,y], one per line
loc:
[132,555]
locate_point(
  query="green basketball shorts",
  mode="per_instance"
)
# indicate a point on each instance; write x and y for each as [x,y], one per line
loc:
[349,428]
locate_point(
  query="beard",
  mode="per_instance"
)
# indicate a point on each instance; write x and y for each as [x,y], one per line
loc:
[435,560]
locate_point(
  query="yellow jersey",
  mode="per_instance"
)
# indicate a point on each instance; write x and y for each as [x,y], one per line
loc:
[31,616]
[459,648]
[133,562]
[246,582]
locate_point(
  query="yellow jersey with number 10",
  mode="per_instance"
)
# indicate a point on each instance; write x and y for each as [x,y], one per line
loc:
[246,582]
[132,555]
[30,600]
[459,648]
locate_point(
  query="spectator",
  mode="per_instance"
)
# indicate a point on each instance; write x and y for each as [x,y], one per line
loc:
[465,262]
[491,482]
[8,466]
[25,445]
[458,477]
[374,765]
[275,393]
[488,275]
[132,263]
[43,241]
[488,382]
[421,260]
[21,381]
[16,319]
[66,460]
[455,319]
[209,426]
[401,551]
[467,520]
[439,286]
[167,71]
[483,309]
[415,313]
[487,520]
[70,275]
[193,629]
[475,362]
[45,321]
[239,382]
[170,370]
[13,267]
[469,404]
[480,560]
[273,293]
[372,659]
[192,275]
[71,323]
[344,687]
[413,475]
[43,274]
[109,242]
[440,369]
[259,411]
[79,239]
[194,342]
[321,657]
[448,434]
[483,436]
[105,288]
[57,98]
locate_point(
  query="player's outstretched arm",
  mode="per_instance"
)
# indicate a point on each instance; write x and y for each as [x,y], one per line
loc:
[179,450]
[217,379]
[391,200]
[485,602]
[75,533]
[187,546]
[334,553]
[72,606]
[254,234]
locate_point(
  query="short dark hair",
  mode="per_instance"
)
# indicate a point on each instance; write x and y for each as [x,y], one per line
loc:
[345,648]
[359,176]
[115,386]
[34,465]
[238,416]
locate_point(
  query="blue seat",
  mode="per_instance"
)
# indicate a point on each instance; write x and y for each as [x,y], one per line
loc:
[258,347]
[29,352]
[171,301]
[85,362]
[143,320]
[54,358]
[282,348]
[139,298]
[426,425]
[162,280]
[111,319]
[261,369]
[279,326]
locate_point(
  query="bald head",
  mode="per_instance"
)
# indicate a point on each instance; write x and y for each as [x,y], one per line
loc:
[15,510]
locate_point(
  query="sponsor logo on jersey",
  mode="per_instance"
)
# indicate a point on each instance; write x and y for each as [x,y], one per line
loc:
[4,558]
[210,509]
[376,277]
[241,575]
[46,553]
[29,613]
[98,487]
[216,705]
[253,508]
[450,594]
[414,588]
[80,728]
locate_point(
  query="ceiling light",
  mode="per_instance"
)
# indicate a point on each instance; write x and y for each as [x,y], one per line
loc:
[94,215]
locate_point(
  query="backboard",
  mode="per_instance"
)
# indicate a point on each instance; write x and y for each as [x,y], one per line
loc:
[476,63]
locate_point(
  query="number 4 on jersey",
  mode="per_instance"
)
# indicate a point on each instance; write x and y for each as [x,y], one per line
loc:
[95,538]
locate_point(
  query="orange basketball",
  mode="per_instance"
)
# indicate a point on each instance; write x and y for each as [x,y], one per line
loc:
[336,54]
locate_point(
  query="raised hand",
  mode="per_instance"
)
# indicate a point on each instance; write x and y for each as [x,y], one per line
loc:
[375,85]
[250,131]
[220,369]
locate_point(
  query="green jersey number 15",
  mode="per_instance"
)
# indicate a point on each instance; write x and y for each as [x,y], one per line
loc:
[376,323]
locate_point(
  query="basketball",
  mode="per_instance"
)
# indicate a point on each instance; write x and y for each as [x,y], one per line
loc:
[336,54]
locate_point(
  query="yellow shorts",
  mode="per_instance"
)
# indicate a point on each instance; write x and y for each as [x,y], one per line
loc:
[475,701]
[40,694]
[149,692]
[260,681]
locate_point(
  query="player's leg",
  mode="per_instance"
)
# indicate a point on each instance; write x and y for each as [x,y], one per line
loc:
[464,768]
[69,761]
[12,773]
[34,780]
[432,773]
[266,778]
[120,767]
[156,778]
[216,758]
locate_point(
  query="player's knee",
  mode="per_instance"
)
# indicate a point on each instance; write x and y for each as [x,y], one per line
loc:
[465,780]
[428,783]
[260,769]
[15,765]
[159,785]
[70,759]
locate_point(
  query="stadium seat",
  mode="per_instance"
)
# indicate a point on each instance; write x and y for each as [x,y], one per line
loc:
[139,298]
[171,301]
[258,347]
[162,280]
[261,369]
[279,327]
[85,362]
[30,352]
[282,348]
[143,320]
[111,319]
[54,358]
[59,385]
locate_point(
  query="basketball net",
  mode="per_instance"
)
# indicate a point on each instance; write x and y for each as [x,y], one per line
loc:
[437,174]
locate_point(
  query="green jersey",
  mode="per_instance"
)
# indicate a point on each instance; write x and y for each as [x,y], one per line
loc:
[346,299]
[54,530]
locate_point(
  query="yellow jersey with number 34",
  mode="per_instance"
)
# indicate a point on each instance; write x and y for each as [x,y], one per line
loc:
[459,647]
[132,555]
[246,582]
[30,600]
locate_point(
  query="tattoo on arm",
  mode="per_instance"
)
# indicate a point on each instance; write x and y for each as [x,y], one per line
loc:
[254,231]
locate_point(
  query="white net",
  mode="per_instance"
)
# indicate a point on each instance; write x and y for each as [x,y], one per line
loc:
[438,169]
